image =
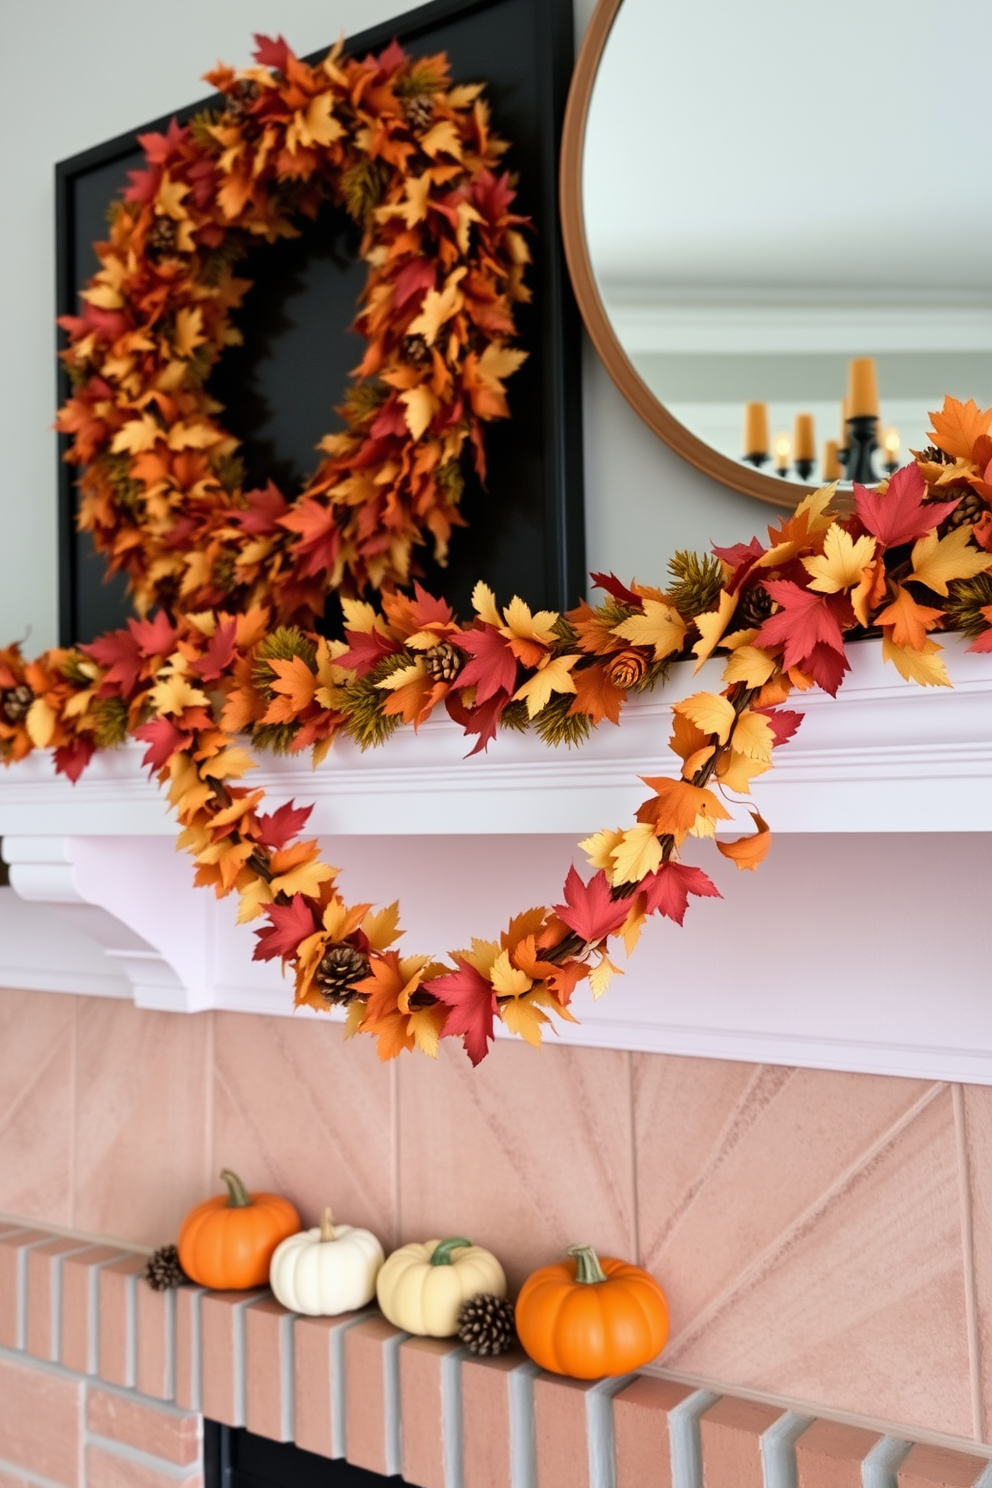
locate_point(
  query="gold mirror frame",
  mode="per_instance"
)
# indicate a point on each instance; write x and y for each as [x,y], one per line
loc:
[738,477]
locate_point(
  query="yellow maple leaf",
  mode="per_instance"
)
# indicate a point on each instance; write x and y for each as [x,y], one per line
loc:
[304,879]
[736,771]
[711,627]
[170,198]
[936,562]
[443,137]
[922,666]
[188,334]
[750,665]
[484,605]
[40,722]
[438,307]
[175,692]
[254,897]
[710,713]
[193,436]
[497,362]
[753,736]
[524,626]
[842,563]
[599,848]
[228,764]
[104,296]
[602,975]
[508,980]
[554,677]
[524,1018]
[383,927]
[420,405]
[481,956]
[661,626]
[637,854]
[359,615]
[136,436]
[317,125]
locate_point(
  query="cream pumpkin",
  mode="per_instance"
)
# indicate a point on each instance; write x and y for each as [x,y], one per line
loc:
[328,1270]
[421,1287]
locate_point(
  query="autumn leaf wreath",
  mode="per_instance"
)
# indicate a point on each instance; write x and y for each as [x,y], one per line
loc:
[229,582]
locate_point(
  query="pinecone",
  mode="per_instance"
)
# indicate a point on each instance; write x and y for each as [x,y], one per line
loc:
[934,456]
[163,1270]
[969,510]
[16,702]
[485,1324]
[443,661]
[626,669]
[162,238]
[754,607]
[244,92]
[416,350]
[341,967]
[419,110]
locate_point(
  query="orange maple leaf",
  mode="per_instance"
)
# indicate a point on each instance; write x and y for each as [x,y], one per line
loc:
[678,808]
[596,695]
[748,852]
[958,425]
[908,620]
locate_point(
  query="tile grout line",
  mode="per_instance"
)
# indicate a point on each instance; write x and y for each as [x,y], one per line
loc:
[968,1259]
[210,1097]
[635,1197]
[73,1107]
[394,1175]
[765,1258]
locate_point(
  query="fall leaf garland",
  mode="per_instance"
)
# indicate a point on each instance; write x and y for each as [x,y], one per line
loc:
[414,161]
[779,617]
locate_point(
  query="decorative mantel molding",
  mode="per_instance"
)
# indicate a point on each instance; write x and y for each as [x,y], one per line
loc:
[100,902]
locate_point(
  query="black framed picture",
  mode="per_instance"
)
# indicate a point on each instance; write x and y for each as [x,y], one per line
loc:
[525,534]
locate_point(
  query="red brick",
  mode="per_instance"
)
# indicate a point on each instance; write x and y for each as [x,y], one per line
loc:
[560,1432]
[7,1481]
[189,1300]
[371,1366]
[640,1423]
[829,1455]
[222,1355]
[117,1285]
[730,1435]
[269,1370]
[14,1247]
[41,1421]
[44,1295]
[79,1306]
[155,1313]
[939,1467]
[160,1430]
[318,1354]
[486,1419]
[422,1409]
[109,1470]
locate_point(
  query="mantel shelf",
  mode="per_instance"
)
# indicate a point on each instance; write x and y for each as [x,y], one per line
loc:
[876,800]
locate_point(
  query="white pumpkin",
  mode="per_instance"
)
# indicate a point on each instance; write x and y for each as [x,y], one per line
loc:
[326,1271]
[422,1287]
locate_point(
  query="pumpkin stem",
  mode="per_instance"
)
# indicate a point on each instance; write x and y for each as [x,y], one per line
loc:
[238,1196]
[587,1267]
[327,1230]
[443,1249]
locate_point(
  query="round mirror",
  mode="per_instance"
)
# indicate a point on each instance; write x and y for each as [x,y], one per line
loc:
[770,209]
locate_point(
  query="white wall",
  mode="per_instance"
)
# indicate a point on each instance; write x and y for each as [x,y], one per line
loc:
[78,72]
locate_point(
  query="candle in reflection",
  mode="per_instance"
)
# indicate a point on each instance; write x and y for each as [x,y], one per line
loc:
[831,465]
[891,446]
[862,389]
[755,430]
[783,449]
[844,416]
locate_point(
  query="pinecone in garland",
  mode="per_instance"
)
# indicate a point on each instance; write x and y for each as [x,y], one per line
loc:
[416,350]
[627,669]
[934,456]
[754,607]
[245,91]
[163,1270]
[162,238]
[341,967]
[16,703]
[443,661]
[486,1326]
[419,110]
[969,510]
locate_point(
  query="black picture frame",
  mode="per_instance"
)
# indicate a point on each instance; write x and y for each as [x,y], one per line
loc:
[526,532]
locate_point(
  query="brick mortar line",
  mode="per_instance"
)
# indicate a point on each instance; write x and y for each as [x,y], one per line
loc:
[12,1468]
[968,1263]
[140,1458]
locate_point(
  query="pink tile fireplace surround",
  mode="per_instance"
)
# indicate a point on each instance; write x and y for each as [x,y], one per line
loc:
[825,1240]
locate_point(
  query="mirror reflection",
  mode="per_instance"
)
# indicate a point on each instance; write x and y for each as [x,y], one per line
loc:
[786,222]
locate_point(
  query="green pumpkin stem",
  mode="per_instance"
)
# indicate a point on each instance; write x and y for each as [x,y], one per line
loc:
[443,1249]
[238,1196]
[587,1267]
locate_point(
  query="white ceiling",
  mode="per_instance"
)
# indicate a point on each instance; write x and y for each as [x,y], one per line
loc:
[788,145]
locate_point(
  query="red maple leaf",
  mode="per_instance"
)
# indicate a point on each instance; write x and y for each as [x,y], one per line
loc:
[366,648]
[291,923]
[588,909]
[739,553]
[493,667]
[218,652]
[613,586]
[271,52]
[158,147]
[71,759]
[265,509]
[804,621]
[119,652]
[164,740]
[472,1001]
[783,723]
[899,515]
[483,719]
[827,667]
[155,637]
[278,828]
[319,535]
[667,891]
[416,274]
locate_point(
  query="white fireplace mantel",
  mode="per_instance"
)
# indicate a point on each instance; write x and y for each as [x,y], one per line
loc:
[879,803]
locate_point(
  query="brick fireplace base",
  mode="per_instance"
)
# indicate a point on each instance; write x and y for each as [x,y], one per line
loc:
[104,1383]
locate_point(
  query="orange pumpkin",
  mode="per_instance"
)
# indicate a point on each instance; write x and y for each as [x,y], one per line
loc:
[590,1318]
[228,1242]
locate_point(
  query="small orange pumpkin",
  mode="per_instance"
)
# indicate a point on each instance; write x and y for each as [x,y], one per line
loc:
[227,1243]
[592,1318]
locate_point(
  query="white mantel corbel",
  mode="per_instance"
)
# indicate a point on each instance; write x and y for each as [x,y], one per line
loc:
[883,776]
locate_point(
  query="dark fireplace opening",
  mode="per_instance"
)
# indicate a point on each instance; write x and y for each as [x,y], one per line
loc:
[236,1458]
